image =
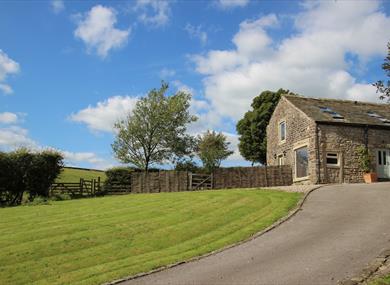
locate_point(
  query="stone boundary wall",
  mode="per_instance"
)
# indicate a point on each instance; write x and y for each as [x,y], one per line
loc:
[249,177]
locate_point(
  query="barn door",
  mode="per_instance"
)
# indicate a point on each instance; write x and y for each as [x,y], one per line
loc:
[383,163]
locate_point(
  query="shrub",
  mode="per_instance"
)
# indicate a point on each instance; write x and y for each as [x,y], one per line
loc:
[187,165]
[37,200]
[23,171]
[60,197]
[44,169]
[364,159]
[118,175]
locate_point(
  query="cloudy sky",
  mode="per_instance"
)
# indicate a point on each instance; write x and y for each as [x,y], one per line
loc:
[69,70]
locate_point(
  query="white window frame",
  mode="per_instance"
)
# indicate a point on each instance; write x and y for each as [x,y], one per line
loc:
[280,131]
[330,154]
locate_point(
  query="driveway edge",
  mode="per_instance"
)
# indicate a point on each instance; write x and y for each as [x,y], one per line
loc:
[370,270]
[292,213]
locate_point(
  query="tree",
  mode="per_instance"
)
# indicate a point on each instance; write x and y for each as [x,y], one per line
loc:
[212,149]
[252,128]
[155,131]
[381,86]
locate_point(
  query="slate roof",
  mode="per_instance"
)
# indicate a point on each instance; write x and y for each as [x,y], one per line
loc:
[343,111]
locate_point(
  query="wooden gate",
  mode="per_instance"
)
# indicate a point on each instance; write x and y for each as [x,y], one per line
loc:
[77,189]
[200,181]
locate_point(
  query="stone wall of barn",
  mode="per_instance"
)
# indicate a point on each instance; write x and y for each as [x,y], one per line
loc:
[345,140]
[300,131]
[341,139]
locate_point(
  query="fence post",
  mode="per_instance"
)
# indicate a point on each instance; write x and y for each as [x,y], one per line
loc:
[81,186]
[266,176]
[190,182]
[98,184]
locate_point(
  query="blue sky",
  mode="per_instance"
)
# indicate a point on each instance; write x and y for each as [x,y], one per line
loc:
[68,70]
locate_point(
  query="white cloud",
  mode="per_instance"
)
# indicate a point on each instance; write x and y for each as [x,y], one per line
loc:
[153,12]
[97,30]
[167,72]
[228,4]
[8,118]
[77,157]
[180,86]
[14,136]
[6,88]
[310,61]
[7,66]
[57,6]
[103,116]
[233,140]
[196,32]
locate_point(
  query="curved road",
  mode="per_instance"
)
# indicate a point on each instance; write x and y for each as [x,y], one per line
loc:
[340,229]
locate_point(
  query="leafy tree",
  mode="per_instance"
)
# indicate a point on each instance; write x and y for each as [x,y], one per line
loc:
[155,131]
[382,87]
[186,165]
[212,149]
[252,128]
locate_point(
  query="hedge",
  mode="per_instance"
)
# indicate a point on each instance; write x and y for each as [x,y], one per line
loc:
[23,171]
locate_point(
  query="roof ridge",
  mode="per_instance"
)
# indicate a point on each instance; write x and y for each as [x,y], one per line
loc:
[337,100]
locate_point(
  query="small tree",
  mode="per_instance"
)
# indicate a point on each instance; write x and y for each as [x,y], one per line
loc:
[364,159]
[382,87]
[155,131]
[252,128]
[212,149]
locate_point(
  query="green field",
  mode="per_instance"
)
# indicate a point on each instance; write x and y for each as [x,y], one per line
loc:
[74,175]
[91,241]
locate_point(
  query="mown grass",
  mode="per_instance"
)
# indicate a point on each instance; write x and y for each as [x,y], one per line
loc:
[74,175]
[91,241]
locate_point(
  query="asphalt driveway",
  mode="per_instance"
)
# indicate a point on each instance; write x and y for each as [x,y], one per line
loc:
[340,229]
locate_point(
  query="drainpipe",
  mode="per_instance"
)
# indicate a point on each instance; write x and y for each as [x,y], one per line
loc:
[318,155]
[366,137]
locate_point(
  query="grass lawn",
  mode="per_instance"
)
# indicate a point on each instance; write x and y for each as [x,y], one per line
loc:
[91,241]
[74,175]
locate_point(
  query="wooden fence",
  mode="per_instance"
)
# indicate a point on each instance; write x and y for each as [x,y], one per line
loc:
[83,188]
[249,177]
[176,181]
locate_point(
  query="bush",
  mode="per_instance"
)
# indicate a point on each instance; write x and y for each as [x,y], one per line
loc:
[187,165]
[23,171]
[118,175]
[364,159]
[60,197]
[38,200]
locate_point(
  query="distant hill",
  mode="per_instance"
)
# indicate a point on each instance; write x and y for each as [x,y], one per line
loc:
[73,174]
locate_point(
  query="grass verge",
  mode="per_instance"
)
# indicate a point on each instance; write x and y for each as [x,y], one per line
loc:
[91,241]
[381,281]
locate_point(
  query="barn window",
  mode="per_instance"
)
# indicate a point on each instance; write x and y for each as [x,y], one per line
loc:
[282,131]
[301,162]
[280,159]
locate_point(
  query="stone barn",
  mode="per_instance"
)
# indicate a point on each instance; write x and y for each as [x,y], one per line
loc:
[319,138]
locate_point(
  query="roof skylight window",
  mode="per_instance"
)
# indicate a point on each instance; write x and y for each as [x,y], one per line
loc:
[379,117]
[384,120]
[326,109]
[374,115]
[334,114]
